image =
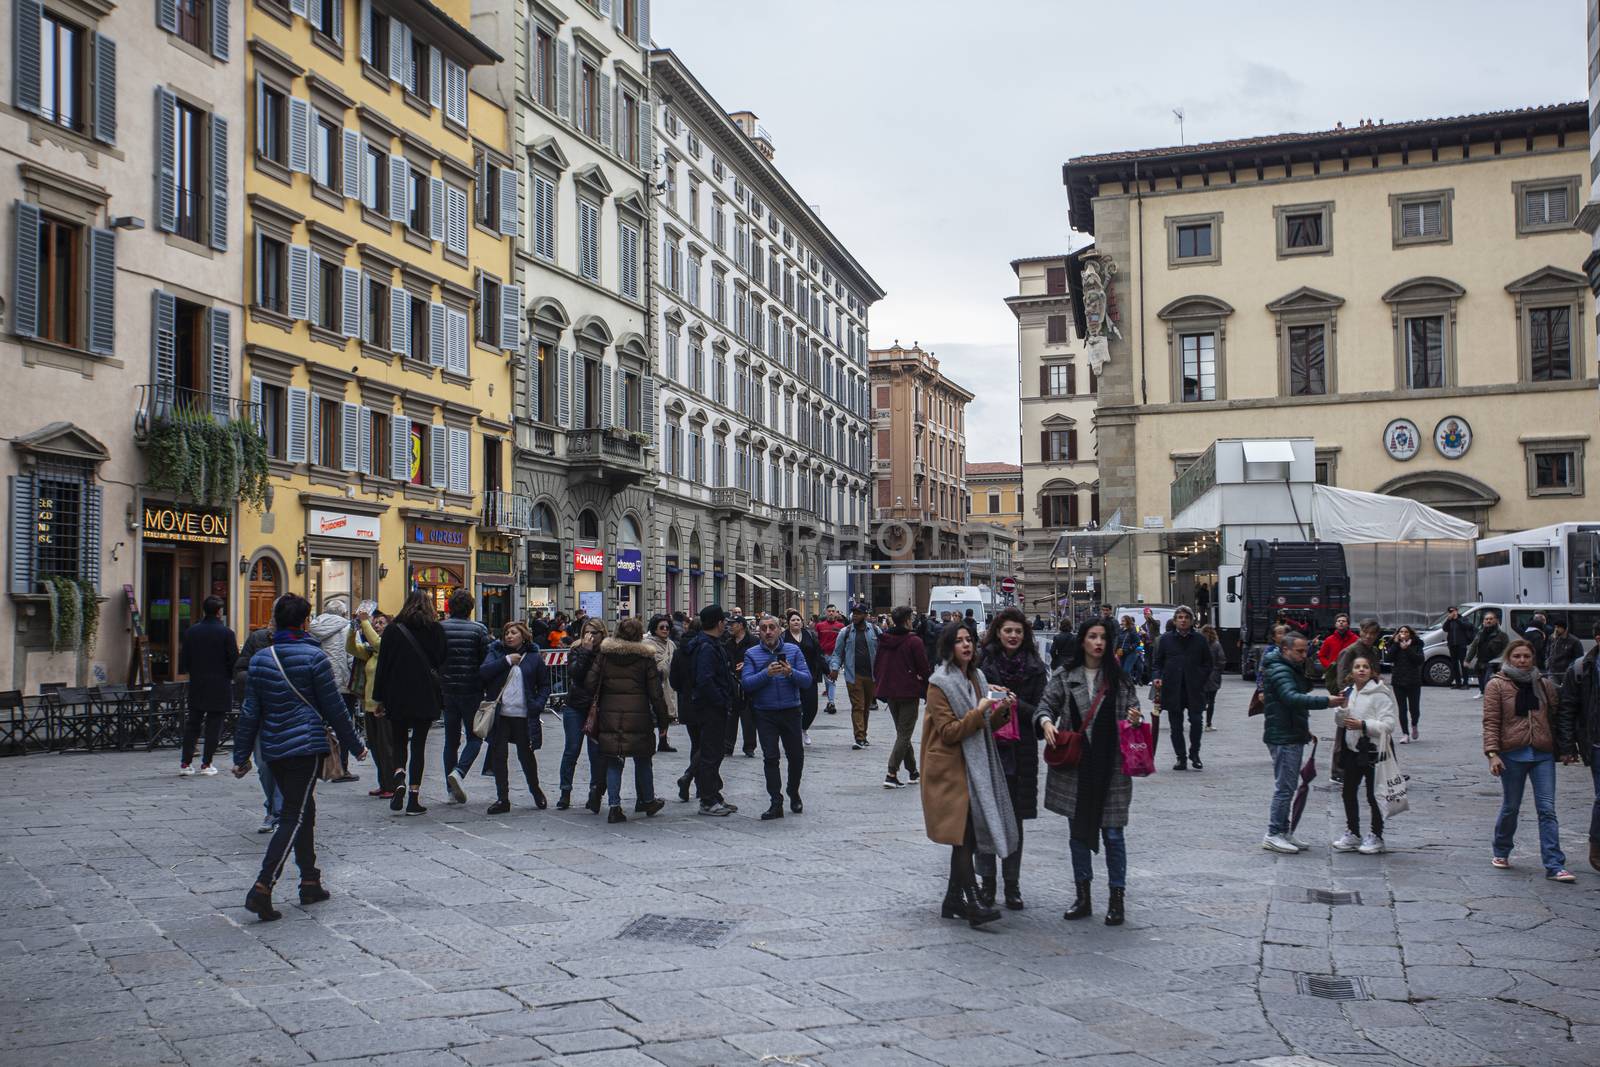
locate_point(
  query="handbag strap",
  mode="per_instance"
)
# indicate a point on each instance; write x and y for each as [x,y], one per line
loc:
[405,631]
[273,649]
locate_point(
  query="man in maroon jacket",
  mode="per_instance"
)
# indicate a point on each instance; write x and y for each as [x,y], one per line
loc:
[827,636]
[902,678]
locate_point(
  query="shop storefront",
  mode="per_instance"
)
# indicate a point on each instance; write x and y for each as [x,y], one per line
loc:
[186,553]
[437,558]
[588,569]
[543,576]
[494,589]
[341,557]
[630,582]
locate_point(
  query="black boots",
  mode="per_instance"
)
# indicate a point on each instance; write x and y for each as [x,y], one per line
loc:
[976,911]
[616,814]
[1013,896]
[593,803]
[1114,907]
[986,892]
[414,805]
[1081,907]
[260,904]
[953,908]
[565,800]
[313,893]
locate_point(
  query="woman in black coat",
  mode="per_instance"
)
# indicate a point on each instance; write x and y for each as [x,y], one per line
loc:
[795,633]
[406,690]
[1009,657]
[1405,653]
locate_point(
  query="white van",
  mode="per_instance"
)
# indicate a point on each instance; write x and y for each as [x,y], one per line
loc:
[1514,618]
[959,599]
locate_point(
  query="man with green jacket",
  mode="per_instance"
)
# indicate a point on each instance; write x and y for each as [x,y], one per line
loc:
[1286,727]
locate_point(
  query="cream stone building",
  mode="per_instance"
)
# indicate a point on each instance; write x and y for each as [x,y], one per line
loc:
[1410,294]
[1057,395]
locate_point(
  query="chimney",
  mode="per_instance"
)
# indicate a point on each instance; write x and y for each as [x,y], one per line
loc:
[751,128]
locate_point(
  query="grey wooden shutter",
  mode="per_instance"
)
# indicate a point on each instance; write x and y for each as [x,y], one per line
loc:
[220,29]
[314,311]
[435,77]
[510,199]
[436,209]
[455,222]
[456,344]
[563,389]
[436,334]
[564,80]
[163,350]
[316,430]
[400,448]
[338,22]
[642,22]
[350,297]
[105,89]
[455,92]
[102,291]
[219,332]
[534,373]
[350,157]
[544,227]
[650,415]
[397,50]
[397,188]
[364,440]
[605,8]
[438,457]
[579,376]
[365,16]
[366,307]
[399,321]
[605,110]
[460,461]
[25,258]
[299,405]
[219,183]
[299,135]
[510,317]
[26,57]
[349,437]
[23,502]
[605,397]
[166,154]
[647,138]
[299,281]
[299,7]
[89,537]
[167,15]
[256,414]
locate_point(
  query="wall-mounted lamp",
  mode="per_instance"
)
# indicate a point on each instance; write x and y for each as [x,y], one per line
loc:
[244,564]
[300,557]
[126,222]
[383,571]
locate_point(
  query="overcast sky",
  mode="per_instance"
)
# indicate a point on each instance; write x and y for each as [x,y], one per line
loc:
[932,133]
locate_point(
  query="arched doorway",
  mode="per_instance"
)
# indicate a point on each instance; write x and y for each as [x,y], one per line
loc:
[673,569]
[629,568]
[266,585]
[1454,494]
[545,563]
[696,572]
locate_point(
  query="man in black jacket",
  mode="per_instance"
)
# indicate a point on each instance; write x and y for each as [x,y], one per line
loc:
[736,642]
[466,647]
[707,712]
[1183,665]
[1580,719]
[1458,635]
[1562,651]
[207,653]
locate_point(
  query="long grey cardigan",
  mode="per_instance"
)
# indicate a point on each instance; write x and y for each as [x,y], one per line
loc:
[1061,785]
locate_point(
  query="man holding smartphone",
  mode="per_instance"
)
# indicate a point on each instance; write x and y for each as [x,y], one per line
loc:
[774,673]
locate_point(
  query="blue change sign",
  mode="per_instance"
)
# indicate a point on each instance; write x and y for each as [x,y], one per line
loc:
[630,566]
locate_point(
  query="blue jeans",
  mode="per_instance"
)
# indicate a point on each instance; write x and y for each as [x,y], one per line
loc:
[1286,763]
[1512,779]
[269,785]
[1116,849]
[828,684]
[644,782]
[571,742]
[458,713]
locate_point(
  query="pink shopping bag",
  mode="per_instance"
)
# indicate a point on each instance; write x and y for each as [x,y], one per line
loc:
[1138,749]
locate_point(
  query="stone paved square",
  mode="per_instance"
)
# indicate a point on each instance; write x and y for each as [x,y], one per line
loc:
[460,938]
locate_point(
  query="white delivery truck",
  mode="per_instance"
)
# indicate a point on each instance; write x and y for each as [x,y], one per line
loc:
[1550,564]
[959,599]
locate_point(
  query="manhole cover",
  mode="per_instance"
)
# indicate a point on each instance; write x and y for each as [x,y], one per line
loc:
[1331,987]
[677,930]
[1297,895]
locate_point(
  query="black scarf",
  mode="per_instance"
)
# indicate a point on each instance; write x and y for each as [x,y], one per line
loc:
[1524,680]
[1099,763]
[1010,669]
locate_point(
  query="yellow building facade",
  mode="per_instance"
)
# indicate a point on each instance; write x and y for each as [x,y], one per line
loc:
[381,210]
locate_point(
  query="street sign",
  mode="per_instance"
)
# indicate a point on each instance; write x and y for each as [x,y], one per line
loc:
[1008,585]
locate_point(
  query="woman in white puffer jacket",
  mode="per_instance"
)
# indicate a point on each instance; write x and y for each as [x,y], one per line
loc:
[1363,728]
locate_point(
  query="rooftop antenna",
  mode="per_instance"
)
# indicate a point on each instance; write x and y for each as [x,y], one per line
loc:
[1177,113]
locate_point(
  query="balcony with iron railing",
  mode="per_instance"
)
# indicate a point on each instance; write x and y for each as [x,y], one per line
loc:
[160,402]
[507,512]
[616,457]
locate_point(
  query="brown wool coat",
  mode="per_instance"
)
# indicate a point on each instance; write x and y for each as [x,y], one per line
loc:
[1505,730]
[944,768]
[627,685]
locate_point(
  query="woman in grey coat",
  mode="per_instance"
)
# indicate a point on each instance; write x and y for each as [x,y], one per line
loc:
[1095,795]
[1218,658]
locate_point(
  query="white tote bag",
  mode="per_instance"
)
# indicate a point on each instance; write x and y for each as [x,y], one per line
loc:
[1391,785]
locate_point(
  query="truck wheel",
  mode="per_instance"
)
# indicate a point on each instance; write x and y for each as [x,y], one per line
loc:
[1439,671]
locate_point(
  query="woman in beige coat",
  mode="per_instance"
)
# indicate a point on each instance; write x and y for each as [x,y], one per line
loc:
[659,637]
[965,801]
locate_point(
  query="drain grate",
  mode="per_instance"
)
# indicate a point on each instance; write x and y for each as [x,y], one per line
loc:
[1298,895]
[677,930]
[1331,987]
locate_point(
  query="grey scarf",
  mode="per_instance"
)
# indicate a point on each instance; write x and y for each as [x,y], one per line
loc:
[994,823]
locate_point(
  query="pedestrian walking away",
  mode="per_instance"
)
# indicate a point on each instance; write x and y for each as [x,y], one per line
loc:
[630,712]
[658,634]
[1458,635]
[466,647]
[1487,648]
[965,801]
[515,677]
[291,701]
[1096,795]
[795,633]
[207,653]
[827,638]
[362,642]
[853,657]
[774,676]
[1183,666]
[1580,707]
[407,694]
[1130,650]
[271,798]
[1363,732]
[1009,659]
[575,712]
[1405,675]
[1286,730]
[1214,683]
[708,712]
[901,679]
[1525,727]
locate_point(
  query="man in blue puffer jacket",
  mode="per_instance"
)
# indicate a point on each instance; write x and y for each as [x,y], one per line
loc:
[774,673]
[290,701]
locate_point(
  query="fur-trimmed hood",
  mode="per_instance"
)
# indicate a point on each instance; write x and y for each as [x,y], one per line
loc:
[616,646]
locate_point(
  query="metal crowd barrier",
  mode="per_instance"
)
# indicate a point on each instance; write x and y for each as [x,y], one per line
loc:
[555,660]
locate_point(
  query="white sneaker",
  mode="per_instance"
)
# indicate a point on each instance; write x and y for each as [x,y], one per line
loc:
[1371,845]
[1348,843]
[1296,842]
[805,735]
[452,782]
[1279,843]
[209,771]
[1404,740]
[186,770]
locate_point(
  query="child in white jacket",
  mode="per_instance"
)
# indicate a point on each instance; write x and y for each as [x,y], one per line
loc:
[1363,728]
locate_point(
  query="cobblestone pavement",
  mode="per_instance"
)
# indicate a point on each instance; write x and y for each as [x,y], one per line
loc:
[463,938]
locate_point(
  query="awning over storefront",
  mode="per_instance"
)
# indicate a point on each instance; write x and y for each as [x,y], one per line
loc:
[758,582]
[779,583]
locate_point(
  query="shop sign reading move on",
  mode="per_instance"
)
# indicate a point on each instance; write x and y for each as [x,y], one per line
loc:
[170,522]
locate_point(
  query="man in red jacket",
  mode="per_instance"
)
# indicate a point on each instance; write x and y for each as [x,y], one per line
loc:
[1332,645]
[827,636]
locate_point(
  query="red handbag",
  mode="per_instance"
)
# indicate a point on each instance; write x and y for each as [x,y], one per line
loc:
[1067,751]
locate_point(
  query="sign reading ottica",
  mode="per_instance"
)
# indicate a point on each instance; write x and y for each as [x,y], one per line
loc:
[344,526]
[174,522]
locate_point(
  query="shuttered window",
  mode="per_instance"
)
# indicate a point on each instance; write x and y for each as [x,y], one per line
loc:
[588,241]
[1421,219]
[1546,207]
[628,261]
[544,218]
[55,528]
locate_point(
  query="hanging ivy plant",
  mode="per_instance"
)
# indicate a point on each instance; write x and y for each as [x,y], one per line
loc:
[65,612]
[90,613]
[190,453]
[253,469]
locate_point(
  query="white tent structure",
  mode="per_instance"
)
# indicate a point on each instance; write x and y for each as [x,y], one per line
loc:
[1355,518]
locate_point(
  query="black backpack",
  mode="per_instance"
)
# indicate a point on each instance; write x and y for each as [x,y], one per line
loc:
[681,674]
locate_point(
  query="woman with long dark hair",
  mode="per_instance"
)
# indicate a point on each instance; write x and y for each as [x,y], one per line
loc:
[406,692]
[965,800]
[1096,794]
[1405,652]
[575,711]
[1009,657]
[514,674]
[796,633]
